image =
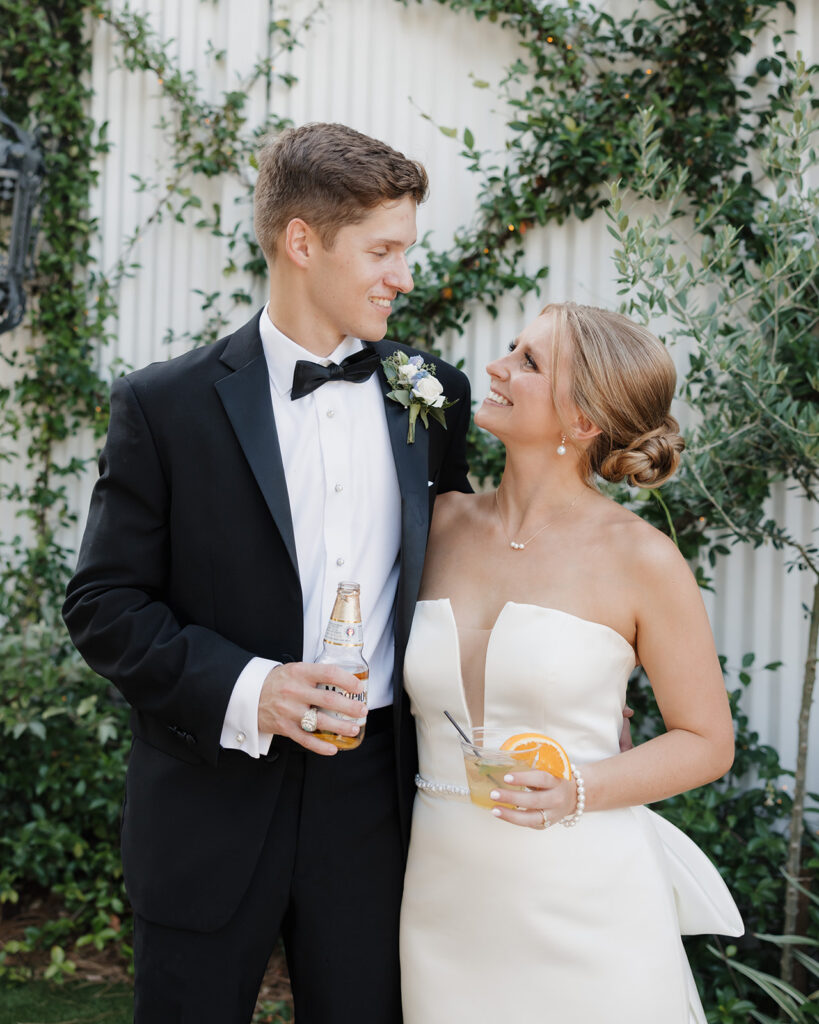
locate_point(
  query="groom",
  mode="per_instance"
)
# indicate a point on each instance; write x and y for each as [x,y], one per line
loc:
[240,483]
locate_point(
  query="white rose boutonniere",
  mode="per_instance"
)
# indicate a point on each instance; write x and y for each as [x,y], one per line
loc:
[415,386]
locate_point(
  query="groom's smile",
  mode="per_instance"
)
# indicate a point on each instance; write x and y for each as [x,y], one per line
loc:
[353,283]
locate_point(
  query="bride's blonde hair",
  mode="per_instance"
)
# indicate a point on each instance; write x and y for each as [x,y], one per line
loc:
[622,381]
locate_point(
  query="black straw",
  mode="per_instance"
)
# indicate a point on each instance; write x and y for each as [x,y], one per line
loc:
[460,730]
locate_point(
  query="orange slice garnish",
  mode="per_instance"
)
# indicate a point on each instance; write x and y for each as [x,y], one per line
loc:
[541,751]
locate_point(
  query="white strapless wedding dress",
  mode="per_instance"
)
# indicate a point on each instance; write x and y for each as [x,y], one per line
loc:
[575,925]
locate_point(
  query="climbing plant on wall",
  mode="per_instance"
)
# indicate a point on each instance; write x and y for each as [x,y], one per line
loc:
[575,94]
[55,389]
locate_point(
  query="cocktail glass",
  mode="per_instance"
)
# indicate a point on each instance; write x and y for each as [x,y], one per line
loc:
[486,764]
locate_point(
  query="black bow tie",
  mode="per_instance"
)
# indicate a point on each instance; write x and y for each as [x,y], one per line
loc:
[355,368]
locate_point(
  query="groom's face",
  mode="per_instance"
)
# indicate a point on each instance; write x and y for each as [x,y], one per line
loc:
[352,284]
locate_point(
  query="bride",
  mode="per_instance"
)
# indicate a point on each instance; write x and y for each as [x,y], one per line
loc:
[537,602]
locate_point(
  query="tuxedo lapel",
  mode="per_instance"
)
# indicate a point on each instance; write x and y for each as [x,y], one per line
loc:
[411,465]
[245,395]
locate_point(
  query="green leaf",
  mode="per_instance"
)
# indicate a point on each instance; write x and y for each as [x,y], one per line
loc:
[438,414]
[86,705]
[38,729]
[402,397]
[107,732]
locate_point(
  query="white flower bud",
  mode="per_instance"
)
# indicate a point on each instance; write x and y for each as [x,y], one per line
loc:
[407,371]
[428,389]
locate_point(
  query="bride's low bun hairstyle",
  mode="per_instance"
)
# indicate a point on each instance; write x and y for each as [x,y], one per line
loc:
[622,381]
[648,461]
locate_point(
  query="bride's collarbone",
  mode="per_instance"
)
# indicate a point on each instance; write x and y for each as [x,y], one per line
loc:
[483,585]
[464,536]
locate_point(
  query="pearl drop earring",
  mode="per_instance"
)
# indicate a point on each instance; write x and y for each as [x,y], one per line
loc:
[561,448]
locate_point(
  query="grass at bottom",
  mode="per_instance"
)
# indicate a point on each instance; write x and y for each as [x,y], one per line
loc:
[76,1002]
[39,1002]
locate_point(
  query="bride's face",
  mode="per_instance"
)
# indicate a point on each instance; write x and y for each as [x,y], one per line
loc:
[520,406]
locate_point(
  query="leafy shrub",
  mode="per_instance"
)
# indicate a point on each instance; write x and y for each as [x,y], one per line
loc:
[740,822]
[62,763]
[794,1004]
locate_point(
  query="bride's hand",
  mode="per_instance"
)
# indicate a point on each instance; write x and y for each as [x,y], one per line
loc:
[545,801]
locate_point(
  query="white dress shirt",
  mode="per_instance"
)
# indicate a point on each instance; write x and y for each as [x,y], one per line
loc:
[346,510]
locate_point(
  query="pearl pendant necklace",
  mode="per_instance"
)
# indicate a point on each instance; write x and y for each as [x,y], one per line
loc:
[518,545]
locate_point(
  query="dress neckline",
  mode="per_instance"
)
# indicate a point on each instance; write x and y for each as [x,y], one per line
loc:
[446,603]
[538,607]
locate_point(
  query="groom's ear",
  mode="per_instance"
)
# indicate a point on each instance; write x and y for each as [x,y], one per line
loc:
[298,241]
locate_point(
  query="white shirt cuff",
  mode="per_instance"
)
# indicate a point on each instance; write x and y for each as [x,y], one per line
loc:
[240,730]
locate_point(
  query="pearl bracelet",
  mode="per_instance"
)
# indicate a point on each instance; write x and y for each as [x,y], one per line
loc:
[440,788]
[572,819]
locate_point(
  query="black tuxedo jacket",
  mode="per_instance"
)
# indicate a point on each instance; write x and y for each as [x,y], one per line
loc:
[187,569]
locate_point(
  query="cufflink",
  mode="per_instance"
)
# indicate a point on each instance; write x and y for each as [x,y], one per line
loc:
[240,737]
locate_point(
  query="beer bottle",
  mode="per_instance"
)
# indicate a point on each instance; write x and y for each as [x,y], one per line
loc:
[344,646]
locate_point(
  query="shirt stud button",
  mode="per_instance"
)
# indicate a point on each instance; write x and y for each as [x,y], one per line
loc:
[339,561]
[339,488]
[330,413]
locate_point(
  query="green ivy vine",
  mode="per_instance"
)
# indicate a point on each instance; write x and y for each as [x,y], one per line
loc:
[55,390]
[44,64]
[576,93]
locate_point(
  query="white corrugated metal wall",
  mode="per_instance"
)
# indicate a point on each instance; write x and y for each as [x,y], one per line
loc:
[378,65]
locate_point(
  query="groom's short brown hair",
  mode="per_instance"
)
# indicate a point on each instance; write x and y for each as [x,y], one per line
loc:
[329,175]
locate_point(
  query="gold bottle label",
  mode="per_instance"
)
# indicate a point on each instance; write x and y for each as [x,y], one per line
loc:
[344,634]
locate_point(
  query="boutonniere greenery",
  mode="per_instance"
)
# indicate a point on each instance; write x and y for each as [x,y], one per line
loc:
[415,386]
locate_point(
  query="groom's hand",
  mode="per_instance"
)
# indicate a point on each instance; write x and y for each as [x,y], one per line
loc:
[626,742]
[290,689]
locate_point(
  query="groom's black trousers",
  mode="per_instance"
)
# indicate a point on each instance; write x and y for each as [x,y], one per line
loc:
[329,880]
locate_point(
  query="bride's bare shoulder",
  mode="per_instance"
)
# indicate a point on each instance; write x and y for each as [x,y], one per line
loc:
[453,509]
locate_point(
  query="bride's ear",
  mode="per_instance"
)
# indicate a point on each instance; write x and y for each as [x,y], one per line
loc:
[583,430]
